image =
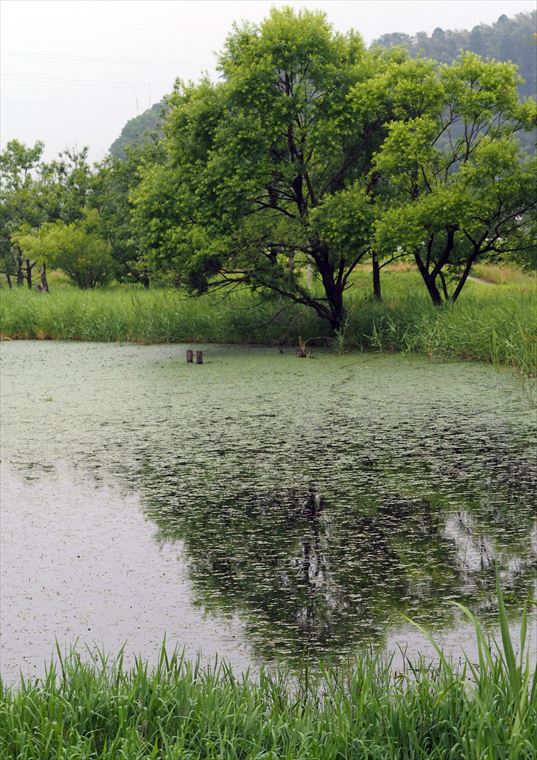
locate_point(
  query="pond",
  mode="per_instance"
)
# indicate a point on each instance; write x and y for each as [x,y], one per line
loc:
[260,507]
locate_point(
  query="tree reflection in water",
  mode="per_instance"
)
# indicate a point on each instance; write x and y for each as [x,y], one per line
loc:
[309,575]
[316,500]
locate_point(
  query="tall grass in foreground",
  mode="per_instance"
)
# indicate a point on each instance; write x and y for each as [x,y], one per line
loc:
[179,710]
[487,324]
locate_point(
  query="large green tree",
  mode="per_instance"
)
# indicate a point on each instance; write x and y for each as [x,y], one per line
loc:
[457,186]
[267,171]
[70,176]
[312,154]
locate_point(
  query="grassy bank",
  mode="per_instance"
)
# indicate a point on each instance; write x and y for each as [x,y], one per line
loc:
[180,710]
[491,323]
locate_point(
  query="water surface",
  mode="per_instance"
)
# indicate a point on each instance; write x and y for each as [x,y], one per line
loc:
[261,506]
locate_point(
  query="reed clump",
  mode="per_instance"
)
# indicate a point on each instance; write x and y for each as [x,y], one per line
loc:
[179,709]
[489,323]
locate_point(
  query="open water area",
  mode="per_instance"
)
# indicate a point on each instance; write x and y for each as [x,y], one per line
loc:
[259,507]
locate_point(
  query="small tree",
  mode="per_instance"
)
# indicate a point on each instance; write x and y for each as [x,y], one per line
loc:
[20,204]
[75,248]
[29,241]
[33,192]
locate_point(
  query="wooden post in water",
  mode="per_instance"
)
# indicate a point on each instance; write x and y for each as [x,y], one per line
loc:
[189,355]
[199,357]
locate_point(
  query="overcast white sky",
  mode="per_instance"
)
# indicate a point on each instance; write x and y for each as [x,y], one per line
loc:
[74,71]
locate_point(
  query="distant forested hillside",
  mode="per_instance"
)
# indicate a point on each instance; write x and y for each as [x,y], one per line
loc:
[509,39]
[136,129]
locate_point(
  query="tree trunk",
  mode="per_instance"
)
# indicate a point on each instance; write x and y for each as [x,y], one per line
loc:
[29,267]
[9,283]
[333,288]
[20,272]
[436,297]
[145,278]
[465,274]
[429,280]
[377,293]
[338,312]
[44,282]
[445,291]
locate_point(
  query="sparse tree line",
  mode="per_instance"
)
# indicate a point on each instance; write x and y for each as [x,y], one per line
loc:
[309,156]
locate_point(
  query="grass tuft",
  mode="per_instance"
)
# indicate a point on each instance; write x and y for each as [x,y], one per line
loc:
[179,709]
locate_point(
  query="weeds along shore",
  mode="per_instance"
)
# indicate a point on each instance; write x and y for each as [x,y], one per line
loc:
[490,324]
[96,708]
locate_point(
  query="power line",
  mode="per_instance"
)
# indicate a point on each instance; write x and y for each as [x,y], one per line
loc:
[101,58]
[109,83]
[71,106]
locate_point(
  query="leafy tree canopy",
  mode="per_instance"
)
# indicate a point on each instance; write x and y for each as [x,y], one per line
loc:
[313,152]
[509,39]
[33,192]
[77,249]
[111,187]
[267,169]
[457,187]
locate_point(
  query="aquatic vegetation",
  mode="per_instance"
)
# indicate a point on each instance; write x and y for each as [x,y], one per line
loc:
[488,324]
[311,502]
[95,707]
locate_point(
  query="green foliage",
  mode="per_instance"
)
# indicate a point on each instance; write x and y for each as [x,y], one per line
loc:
[309,156]
[509,39]
[111,187]
[343,218]
[457,187]
[77,249]
[33,193]
[98,708]
[69,178]
[312,152]
[495,324]
[251,157]
[21,200]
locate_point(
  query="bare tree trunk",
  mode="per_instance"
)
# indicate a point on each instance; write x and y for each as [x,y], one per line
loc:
[20,272]
[429,280]
[44,282]
[442,279]
[29,267]
[377,293]
[9,283]
[436,297]
[465,274]
[337,309]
